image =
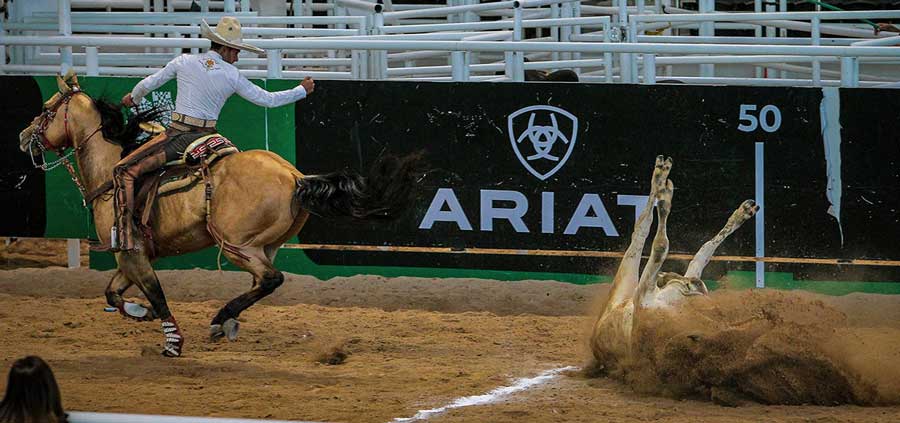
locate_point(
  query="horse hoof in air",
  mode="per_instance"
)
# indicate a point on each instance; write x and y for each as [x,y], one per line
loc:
[228,329]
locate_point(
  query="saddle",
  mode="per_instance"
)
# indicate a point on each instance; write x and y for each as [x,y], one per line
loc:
[179,175]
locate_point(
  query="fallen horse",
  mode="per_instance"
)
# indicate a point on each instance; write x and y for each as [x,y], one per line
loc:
[664,333]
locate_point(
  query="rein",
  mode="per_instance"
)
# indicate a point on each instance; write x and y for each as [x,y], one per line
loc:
[39,140]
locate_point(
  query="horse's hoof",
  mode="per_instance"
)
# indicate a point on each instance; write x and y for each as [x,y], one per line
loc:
[216,333]
[136,311]
[230,328]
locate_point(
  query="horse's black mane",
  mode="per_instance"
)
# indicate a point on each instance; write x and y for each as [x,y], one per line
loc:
[115,127]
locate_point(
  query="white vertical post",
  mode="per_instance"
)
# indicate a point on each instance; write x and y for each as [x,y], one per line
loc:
[576,13]
[364,64]
[518,59]
[783,7]
[340,11]
[707,29]
[16,52]
[176,51]
[64,13]
[472,16]
[379,58]
[649,69]
[760,216]
[229,6]
[273,63]
[245,5]
[147,7]
[757,32]
[632,38]
[158,7]
[565,31]
[92,60]
[355,65]
[816,64]
[194,50]
[607,57]
[623,11]
[204,6]
[554,30]
[849,72]
[517,23]
[459,65]
[73,252]
[2,46]
[11,11]
[452,18]
[624,58]
[770,32]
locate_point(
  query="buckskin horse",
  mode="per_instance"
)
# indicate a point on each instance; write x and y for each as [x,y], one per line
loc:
[259,202]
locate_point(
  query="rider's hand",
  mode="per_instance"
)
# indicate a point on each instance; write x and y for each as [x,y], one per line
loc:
[308,84]
[127,101]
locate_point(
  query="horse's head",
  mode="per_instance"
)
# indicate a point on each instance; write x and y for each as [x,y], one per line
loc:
[48,130]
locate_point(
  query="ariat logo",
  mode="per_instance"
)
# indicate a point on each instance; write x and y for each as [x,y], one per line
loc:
[543,138]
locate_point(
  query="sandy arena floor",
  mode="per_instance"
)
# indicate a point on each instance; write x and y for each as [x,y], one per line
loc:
[411,344]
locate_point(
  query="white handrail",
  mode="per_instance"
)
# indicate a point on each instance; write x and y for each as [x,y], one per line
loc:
[591,22]
[495,46]
[743,17]
[183,29]
[188,18]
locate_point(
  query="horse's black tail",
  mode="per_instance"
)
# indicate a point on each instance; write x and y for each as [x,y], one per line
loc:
[387,190]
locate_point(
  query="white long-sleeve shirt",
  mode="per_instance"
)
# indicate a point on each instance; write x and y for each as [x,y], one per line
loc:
[205,81]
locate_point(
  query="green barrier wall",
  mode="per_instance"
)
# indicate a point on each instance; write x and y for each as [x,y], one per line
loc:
[252,127]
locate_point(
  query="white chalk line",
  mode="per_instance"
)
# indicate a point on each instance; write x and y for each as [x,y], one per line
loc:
[493,396]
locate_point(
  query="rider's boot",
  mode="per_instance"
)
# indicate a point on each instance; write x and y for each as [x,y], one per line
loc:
[126,175]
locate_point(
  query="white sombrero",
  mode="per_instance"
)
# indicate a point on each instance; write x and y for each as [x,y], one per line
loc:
[227,32]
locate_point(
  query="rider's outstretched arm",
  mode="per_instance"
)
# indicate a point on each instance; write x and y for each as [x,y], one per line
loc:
[156,80]
[261,97]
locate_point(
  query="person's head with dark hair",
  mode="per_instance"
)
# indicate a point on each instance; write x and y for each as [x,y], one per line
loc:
[32,395]
[229,54]
[563,75]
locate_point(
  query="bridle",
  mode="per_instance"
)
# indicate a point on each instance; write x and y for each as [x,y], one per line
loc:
[38,144]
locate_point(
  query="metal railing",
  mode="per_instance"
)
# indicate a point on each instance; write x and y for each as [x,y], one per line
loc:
[625,43]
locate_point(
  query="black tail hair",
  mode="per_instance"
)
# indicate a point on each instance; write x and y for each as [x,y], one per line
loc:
[383,194]
[116,129]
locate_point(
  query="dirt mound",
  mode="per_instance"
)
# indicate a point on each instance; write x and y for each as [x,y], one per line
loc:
[768,346]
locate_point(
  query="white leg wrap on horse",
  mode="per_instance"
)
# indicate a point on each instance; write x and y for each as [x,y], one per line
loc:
[173,339]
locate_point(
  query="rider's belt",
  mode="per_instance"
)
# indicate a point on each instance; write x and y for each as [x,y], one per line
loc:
[189,120]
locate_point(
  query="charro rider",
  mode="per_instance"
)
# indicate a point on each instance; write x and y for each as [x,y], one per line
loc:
[205,81]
